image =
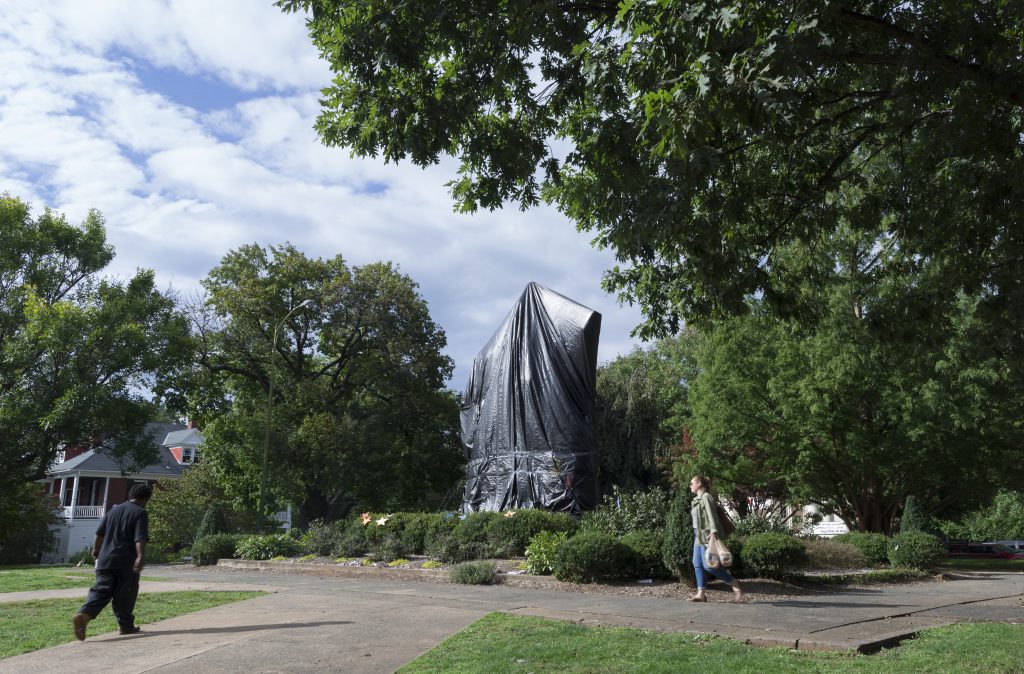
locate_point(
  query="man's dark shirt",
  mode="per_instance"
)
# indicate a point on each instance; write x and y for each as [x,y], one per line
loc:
[121,528]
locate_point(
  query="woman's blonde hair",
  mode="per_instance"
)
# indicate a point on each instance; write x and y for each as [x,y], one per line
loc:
[705,484]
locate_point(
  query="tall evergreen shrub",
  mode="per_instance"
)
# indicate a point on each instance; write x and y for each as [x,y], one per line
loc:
[913,519]
[677,549]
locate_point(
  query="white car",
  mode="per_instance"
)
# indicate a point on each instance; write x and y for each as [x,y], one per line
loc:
[1016,546]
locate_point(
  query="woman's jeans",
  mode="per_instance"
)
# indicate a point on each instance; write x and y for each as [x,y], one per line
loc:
[721,573]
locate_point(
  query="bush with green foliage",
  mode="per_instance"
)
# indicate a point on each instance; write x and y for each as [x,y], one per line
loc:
[448,549]
[411,529]
[823,553]
[473,573]
[388,548]
[772,555]
[83,556]
[214,521]
[513,532]
[677,548]
[646,548]
[913,519]
[542,552]
[1002,519]
[474,527]
[267,546]
[319,539]
[593,556]
[622,512]
[440,524]
[874,546]
[735,545]
[179,507]
[30,513]
[208,549]
[915,550]
[351,539]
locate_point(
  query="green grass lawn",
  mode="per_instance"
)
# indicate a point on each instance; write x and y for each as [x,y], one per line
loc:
[26,578]
[969,564]
[503,643]
[31,625]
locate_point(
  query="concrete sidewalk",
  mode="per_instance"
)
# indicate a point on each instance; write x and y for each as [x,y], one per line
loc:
[312,624]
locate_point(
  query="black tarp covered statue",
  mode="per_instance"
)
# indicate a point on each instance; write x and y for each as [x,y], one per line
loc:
[527,419]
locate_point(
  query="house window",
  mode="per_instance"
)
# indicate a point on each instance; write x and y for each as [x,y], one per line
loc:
[188,454]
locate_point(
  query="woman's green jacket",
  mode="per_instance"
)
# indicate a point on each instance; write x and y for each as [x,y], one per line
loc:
[705,517]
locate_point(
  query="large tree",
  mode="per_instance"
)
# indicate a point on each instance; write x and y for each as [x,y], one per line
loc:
[359,412]
[894,389]
[641,412]
[698,139]
[79,354]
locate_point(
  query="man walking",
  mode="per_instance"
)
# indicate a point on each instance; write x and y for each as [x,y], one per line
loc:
[118,549]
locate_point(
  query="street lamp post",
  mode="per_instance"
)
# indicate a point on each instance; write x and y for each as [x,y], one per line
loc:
[270,407]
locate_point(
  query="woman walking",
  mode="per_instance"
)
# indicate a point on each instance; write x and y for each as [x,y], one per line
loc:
[706,527]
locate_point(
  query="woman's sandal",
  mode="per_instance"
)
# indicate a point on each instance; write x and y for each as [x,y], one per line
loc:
[697,597]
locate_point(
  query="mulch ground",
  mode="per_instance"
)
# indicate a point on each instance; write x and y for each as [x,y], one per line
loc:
[756,590]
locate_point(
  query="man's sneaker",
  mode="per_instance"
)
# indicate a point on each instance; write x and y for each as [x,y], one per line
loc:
[135,629]
[79,622]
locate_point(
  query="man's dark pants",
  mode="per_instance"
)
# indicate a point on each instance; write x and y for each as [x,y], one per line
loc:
[117,587]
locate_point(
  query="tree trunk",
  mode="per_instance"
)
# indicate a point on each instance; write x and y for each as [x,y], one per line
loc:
[315,507]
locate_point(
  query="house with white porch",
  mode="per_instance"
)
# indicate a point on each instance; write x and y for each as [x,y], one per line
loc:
[89,482]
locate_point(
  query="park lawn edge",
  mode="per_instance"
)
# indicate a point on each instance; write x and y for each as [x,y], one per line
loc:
[501,642]
[42,623]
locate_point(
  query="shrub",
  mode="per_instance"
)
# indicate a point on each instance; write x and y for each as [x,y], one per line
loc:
[28,524]
[512,533]
[83,556]
[645,547]
[623,512]
[1002,520]
[915,550]
[823,553]
[473,573]
[319,539]
[432,564]
[439,525]
[772,554]
[874,547]
[214,521]
[387,549]
[542,552]
[267,547]
[411,528]
[473,529]
[677,549]
[735,545]
[351,539]
[449,549]
[208,549]
[592,556]
[913,519]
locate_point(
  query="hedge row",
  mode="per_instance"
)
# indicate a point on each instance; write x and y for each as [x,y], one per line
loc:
[550,545]
[446,536]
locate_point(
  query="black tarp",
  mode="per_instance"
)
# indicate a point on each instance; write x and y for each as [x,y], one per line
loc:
[527,418]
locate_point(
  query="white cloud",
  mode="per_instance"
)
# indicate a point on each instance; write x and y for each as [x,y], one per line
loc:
[83,128]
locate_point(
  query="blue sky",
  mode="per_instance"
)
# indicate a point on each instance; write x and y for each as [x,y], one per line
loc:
[189,125]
